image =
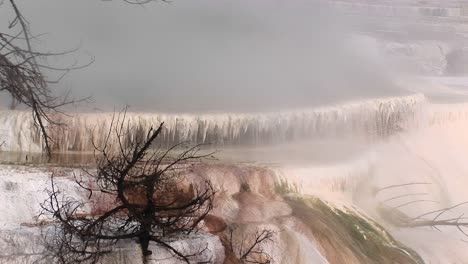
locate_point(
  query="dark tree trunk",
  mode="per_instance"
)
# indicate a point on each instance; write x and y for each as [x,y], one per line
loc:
[145,238]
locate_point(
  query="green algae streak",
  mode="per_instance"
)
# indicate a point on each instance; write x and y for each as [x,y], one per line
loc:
[347,236]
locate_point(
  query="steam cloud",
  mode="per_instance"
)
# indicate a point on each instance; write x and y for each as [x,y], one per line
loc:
[209,55]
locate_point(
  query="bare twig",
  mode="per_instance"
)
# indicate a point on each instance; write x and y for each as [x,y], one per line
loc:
[249,249]
[22,76]
[434,219]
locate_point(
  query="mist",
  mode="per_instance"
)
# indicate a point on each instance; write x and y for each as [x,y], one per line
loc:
[216,56]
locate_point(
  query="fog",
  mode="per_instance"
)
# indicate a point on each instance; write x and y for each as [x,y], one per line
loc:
[207,55]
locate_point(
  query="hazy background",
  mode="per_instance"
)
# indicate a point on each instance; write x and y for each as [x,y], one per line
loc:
[207,55]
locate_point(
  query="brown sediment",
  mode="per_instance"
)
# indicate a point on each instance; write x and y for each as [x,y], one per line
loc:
[214,224]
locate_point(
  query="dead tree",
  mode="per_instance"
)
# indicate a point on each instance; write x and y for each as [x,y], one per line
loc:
[436,219]
[147,201]
[249,248]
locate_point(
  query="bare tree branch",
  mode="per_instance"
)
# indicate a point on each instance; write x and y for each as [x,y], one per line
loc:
[249,249]
[434,219]
[22,76]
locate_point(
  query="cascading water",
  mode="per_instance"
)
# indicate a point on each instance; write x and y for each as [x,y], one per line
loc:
[368,120]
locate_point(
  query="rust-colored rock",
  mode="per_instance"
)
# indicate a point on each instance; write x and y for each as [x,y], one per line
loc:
[214,224]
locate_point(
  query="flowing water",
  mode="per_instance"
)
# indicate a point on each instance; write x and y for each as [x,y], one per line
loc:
[367,120]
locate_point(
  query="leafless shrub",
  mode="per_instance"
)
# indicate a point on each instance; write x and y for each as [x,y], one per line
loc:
[249,248]
[147,200]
